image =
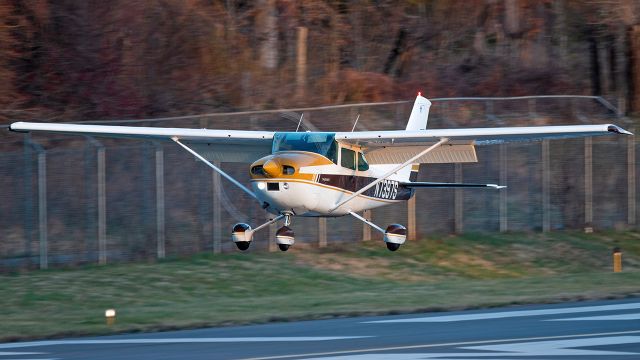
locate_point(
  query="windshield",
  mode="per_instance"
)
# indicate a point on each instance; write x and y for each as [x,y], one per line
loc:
[319,143]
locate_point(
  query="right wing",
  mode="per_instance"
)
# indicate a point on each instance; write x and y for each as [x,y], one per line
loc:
[214,145]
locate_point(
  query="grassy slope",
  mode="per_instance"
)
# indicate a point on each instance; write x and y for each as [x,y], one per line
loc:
[436,273]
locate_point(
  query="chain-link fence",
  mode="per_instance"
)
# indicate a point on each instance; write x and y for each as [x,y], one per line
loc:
[70,200]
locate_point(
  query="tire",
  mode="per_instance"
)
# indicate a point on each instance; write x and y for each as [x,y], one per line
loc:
[283,247]
[392,246]
[243,245]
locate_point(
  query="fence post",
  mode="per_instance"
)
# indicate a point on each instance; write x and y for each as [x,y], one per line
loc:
[42,202]
[160,209]
[546,187]
[42,208]
[631,181]
[217,209]
[28,198]
[503,192]
[322,232]
[411,218]
[588,184]
[102,207]
[458,201]
[102,201]
[273,228]
[532,108]
[366,229]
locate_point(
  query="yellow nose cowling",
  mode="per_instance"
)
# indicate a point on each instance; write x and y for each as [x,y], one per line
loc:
[271,168]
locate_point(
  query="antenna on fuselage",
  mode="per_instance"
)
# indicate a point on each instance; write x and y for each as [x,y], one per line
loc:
[355,123]
[299,122]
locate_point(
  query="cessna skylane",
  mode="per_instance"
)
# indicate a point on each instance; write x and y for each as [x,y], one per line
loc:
[330,174]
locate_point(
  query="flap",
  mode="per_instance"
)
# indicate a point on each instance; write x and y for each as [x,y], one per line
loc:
[443,155]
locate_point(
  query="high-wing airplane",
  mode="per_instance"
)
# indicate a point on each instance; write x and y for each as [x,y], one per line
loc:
[328,174]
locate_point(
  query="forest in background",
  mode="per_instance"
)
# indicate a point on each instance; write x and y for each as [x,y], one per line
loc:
[65,60]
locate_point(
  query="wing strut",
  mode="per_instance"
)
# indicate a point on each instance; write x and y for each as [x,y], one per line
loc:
[227,176]
[389,173]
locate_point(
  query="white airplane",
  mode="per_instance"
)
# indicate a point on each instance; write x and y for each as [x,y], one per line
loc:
[329,174]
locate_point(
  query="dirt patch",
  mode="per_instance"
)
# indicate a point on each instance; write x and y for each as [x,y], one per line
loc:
[471,264]
[369,267]
[364,267]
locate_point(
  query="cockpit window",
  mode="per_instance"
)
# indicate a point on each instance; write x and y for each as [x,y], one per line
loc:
[319,143]
[348,158]
[362,162]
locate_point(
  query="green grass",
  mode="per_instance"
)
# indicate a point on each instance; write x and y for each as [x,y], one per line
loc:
[440,273]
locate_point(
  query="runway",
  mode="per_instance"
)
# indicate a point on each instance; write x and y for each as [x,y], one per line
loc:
[584,330]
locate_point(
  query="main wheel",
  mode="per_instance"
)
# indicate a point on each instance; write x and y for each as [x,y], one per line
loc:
[392,246]
[283,247]
[243,245]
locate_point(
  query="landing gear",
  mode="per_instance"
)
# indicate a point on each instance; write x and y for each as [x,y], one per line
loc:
[285,236]
[394,236]
[242,234]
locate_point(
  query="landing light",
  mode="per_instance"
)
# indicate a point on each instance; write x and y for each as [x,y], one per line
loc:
[261,186]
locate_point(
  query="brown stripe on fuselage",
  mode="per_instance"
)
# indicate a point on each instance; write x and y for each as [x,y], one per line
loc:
[331,188]
[387,189]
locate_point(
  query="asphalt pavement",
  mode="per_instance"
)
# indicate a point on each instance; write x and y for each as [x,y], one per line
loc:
[567,331]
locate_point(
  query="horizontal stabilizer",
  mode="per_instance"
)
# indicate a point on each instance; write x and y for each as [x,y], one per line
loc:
[441,185]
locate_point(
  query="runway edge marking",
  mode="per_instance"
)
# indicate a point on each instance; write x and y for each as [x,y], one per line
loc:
[425,346]
[510,314]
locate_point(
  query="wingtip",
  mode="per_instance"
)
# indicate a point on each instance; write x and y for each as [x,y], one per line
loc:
[497,187]
[14,128]
[618,130]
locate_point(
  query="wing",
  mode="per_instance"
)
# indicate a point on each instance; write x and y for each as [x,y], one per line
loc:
[477,136]
[214,145]
[387,147]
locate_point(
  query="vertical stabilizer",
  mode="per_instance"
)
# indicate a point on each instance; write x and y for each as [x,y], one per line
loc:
[417,121]
[419,114]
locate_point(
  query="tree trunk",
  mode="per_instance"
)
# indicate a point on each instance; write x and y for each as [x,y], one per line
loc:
[635,68]
[268,34]
[512,16]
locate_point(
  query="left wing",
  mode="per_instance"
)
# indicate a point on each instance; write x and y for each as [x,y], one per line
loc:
[476,136]
[214,145]
[393,147]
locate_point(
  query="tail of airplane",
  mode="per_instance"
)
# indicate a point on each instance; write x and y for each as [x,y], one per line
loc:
[417,121]
[419,114]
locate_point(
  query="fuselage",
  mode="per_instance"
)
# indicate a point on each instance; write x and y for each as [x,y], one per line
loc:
[311,180]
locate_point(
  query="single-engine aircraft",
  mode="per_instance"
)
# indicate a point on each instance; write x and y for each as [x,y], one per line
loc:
[329,174]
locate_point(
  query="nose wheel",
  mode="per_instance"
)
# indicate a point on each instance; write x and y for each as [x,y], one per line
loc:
[285,236]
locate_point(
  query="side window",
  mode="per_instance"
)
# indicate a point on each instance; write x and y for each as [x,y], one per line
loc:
[348,158]
[362,163]
[332,154]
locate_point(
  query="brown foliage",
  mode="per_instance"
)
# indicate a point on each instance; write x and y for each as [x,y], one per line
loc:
[70,60]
